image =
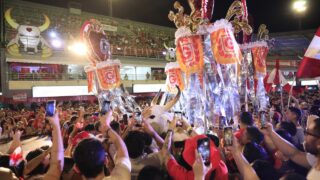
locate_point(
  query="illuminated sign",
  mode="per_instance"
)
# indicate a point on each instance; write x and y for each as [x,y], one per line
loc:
[59,91]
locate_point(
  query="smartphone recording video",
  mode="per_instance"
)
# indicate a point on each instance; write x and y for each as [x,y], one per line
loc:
[263,121]
[105,107]
[50,108]
[204,150]
[228,141]
[137,116]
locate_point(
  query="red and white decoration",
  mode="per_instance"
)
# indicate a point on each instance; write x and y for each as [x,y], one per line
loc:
[310,65]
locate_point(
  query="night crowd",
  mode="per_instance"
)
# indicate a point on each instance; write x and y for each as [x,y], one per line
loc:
[85,144]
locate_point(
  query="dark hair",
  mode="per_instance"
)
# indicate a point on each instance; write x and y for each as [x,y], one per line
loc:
[297,112]
[317,126]
[246,118]
[265,170]
[293,176]
[314,110]
[135,142]
[73,119]
[290,127]
[151,172]
[70,129]
[89,127]
[97,126]
[115,126]
[285,135]
[85,116]
[254,134]
[89,156]
[40,169]
[252,151]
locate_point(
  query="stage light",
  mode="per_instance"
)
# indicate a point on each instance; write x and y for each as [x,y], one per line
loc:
[78,48]
[56,43]
[299,6]
[53,34]
[118,48]
[164,53]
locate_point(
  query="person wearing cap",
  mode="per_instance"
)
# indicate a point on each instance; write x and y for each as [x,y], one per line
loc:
[294,115]
[307,159]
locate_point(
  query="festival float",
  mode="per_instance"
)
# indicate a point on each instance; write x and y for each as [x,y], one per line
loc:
[218,68]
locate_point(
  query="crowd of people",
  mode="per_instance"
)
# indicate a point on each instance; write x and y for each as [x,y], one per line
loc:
[89,145]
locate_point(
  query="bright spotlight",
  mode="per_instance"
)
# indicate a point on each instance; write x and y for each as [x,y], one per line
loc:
[300,6]
[78,48]
[164,53]
[56,43]
[53,34]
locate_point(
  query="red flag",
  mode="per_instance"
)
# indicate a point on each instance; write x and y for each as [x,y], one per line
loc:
[310,65]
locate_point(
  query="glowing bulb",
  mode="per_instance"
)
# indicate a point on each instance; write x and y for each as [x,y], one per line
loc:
[56,43]
[78,48]
[300,6]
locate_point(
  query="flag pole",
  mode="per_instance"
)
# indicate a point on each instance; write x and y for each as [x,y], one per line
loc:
[281,98]
[290,93]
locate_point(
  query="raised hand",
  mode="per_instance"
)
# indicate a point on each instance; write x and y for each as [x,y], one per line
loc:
[199,169]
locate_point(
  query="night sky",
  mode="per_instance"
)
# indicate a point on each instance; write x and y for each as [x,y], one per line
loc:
[276,14]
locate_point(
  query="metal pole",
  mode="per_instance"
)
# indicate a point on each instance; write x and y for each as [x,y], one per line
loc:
[300,22]
[109,2]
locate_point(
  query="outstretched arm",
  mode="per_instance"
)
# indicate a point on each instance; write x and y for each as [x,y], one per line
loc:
[57,154]
[121,147]
[244,167]
[286,148]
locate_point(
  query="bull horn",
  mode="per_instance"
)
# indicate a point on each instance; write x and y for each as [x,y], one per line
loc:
[165,46]
[46,23]
[155,99]
[9,19]
[171,103]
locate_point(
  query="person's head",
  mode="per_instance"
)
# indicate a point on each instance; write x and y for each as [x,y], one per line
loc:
[89,157]
[90,128]
[40,169]
[312,136]
[265,170]
[290,127]
[287,136]
[251,134]
[136,141]
[150,172]
[246,119]
[252,151]
[294,115]
[115,126]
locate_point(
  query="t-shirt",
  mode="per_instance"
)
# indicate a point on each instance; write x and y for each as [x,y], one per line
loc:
[153,159]
[313,174]
[121,170]
[299,137]
[312,159]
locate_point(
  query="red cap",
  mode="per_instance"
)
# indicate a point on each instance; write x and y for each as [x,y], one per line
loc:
[80,136]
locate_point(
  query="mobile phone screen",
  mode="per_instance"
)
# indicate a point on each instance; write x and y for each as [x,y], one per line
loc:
[105,107]
[204,150]
[138,117]
[50,108]
[263,119]
[228,136]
